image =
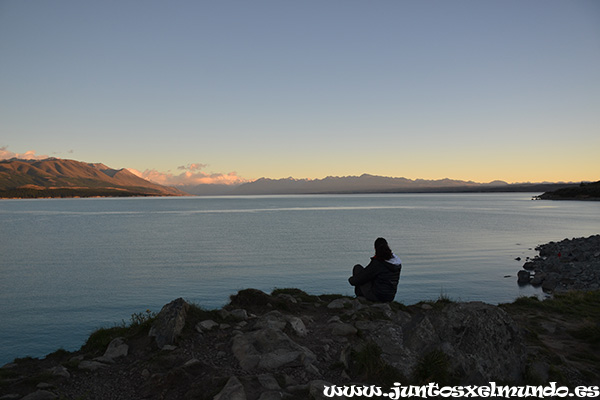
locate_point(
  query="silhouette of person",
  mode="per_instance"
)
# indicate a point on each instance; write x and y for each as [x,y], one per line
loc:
[378,281]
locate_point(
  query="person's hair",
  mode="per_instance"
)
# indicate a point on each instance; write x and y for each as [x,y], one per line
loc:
[382,250]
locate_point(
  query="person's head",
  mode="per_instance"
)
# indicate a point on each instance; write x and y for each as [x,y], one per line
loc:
[382,250]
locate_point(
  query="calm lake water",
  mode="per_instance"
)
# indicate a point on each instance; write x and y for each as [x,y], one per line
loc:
[70,266]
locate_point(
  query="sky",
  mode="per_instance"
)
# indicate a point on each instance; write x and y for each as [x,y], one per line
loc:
[232,91]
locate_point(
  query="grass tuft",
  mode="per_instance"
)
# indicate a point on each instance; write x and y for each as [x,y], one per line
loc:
[367,363]
[433,367]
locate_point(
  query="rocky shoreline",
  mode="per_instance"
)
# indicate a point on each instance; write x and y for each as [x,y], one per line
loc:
[571,264]
[290,345]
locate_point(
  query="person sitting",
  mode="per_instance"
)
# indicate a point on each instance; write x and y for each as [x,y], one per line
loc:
[378,281]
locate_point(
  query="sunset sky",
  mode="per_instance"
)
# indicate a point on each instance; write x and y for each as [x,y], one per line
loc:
[237,90]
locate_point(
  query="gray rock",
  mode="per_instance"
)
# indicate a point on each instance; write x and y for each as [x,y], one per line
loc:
[271,395]
[239,314]
[272,320]
[342,329]
[268,382]
[44,385]
[571,264]
[269,349]
[11,396]
[206,325]
[288,297]
[191,362]
[480,340]
[523,276]
[297,325]
[116,348]
[59,370]
[91,365]
[233,390]
[40,395]
[169,322]
[339,303]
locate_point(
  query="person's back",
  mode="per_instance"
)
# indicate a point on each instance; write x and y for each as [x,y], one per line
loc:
[378,281]
[385,283]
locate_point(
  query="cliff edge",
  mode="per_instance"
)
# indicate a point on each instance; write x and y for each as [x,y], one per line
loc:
[292,345]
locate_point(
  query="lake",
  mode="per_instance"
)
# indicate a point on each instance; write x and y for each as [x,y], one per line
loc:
[70,266]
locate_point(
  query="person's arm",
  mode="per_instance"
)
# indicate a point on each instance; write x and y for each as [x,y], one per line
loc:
[364,276]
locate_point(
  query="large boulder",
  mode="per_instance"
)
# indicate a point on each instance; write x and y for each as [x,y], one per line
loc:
[169,323]
[481,341]
[269,349]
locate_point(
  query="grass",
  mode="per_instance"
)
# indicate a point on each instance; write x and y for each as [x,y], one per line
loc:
[582,304]
[589,333]
[296,293]
[368,365]
[139,323]
[433,367]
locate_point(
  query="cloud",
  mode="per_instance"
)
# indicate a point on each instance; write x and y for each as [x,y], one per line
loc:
[193,167]
[191,176]
[28,155]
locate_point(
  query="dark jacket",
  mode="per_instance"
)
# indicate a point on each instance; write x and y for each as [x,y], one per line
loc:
[384,275]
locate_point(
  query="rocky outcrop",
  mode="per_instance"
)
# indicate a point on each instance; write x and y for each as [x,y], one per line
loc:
[571,264]
[169,323]
[285,345]
[291,345]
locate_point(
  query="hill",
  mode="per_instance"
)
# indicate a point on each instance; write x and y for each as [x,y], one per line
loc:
[583,191]
[55,177]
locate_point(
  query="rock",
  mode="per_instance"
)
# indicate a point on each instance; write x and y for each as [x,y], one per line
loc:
[11,396]
[44,385]
[206,325]
[269,349]
[271,395]
[523,277]
[297,325]
[273,320]
[288,297]
[268,381]
[191,362]
[339,303]
[233,390]
[61,371]
[91,365]
[116,348]
[40,395]
[480,340]
[342,329]
[169,323]
[239,314]
[538,278]
[571,264]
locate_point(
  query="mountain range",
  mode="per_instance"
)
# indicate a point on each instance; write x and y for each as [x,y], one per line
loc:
[365,184]
[55,177]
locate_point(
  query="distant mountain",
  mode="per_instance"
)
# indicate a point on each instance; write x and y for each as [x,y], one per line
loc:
[357,184]
[55,177]
[364,184]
